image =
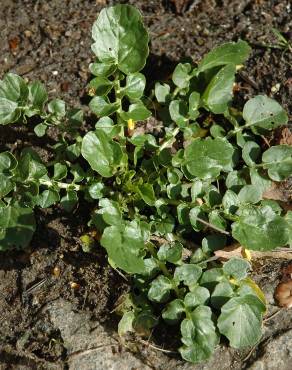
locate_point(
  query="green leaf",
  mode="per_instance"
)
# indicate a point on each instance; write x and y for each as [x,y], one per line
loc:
[17,225]
[213,243]
[162,92]
[250,194]
[189,274]
[218,94]
[250,153]
[136,112]
[147,194]
[211,277]
[196,212]
[217,220]
[126,323]
[206,158]
[194,103]
[13,88]
[237,268]
[160,289]
[125,246]
[95,190]
[197,297]
[262,114]
[40,129]
[69,201]
[101,106]
[102,69]
[173,311]
[102,153]
[181,75]
[60,171]
[198,335]
[120,38]
[278,161]
[230,53]
[259,180]
[230,201]
[221,294]
[236,179]
[170,252]
[57,107]
[110,211]
[241,320]
[100,85]
[178,111]
[260,229]
[9,111]
[47,198]
[135,85]
[37,95]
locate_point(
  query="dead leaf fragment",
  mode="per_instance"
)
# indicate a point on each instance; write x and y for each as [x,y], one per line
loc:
[283,294]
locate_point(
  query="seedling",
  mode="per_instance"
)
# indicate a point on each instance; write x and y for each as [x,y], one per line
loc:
[162,203]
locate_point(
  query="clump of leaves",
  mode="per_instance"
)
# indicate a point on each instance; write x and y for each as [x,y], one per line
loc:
[162,203]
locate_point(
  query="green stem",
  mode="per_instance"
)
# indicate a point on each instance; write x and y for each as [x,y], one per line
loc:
[61,185]
[168,142]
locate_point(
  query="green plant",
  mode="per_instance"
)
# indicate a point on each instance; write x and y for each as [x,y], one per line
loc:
[163,203]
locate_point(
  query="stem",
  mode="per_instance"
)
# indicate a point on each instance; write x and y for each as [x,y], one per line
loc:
[168,142]
[212,226]
[61,185]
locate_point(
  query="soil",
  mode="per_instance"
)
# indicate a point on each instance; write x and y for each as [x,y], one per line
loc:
[54,283]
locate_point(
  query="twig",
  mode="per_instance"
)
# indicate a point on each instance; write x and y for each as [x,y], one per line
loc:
[212,226]
[155,347]
[87,351]
[250,353]
[273,315]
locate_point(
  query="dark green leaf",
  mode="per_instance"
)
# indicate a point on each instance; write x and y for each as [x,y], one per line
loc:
[250,194]
[136,112]
[250,153]
[189,274]
[221,294]
[102,69]
[178,111]
[47,198]
[37,95]
[170,252]
[147,194]
[100,86]
[69,201]
[197,297]
[135,85]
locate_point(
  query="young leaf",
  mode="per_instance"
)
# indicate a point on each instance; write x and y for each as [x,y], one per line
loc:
[103,154]
[219,91]
[278,161]
[181,75]
[199,296]
[147,194]
[189,274]
[241,320]
[135,85]
[178,111]
[37,95]
[237,268]
[160,289]
[262,114]
[206,158]
[230,53]
[120,38]
[198,335]
[162,92]
[170,252]
[260,229]
[125,246]
[173,311]
[194,103]
[101,106]
[250,153]
[57,107]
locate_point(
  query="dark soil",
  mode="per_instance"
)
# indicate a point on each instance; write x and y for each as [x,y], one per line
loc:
[50,41]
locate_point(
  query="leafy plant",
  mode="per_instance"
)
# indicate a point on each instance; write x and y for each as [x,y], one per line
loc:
[162,203]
